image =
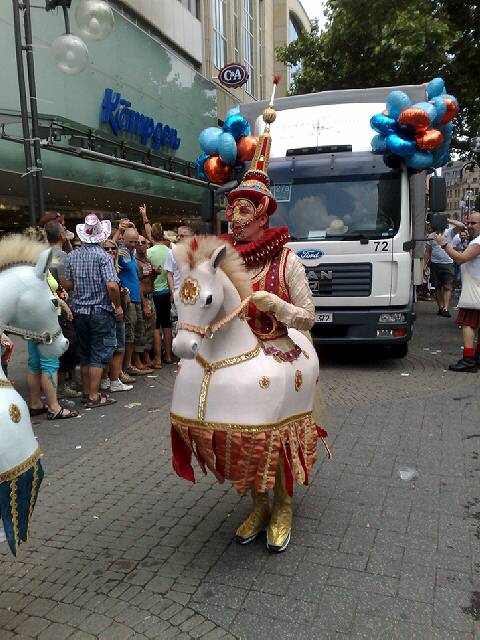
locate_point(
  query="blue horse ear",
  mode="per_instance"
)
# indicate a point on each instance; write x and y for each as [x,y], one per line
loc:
[217,256]
[43,264]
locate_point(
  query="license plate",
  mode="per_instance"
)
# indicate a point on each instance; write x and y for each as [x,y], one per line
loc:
[323,317]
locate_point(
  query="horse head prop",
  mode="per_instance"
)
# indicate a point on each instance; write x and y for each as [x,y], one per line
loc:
[29,310]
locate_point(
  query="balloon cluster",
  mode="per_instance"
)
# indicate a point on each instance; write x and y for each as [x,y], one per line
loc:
[417,134]
[224,148]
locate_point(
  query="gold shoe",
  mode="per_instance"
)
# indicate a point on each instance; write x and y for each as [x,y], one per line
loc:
[280,527]
[257,521]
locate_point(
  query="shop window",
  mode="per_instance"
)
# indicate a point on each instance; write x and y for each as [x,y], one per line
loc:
[193,6]
[261,48]
[248,44]
[219,37]
[294,31]
[236,31]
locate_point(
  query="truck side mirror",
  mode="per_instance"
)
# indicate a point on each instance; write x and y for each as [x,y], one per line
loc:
[437,194]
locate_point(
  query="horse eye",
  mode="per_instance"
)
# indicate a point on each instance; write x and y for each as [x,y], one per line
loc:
[209,299]
[55,302]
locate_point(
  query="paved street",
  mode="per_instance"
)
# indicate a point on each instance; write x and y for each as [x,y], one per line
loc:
[122,548]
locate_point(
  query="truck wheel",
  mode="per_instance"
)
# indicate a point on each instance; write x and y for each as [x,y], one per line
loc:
[399,350]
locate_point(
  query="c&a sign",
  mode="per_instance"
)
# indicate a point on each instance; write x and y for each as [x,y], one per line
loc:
[233,75]
[117,111]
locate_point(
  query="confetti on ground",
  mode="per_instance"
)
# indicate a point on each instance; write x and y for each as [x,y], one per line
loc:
[405,374]
[79,446]
[152,376]
[95,517]
[133,404]
[154,410]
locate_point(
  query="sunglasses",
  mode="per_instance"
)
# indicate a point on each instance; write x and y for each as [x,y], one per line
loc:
[142,242]
[110,248]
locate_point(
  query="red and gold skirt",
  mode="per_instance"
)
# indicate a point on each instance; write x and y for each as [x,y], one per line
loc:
[469,318]
[247,455]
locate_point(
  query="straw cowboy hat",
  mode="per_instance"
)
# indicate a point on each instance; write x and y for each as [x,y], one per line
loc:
[336,227]
[94,230]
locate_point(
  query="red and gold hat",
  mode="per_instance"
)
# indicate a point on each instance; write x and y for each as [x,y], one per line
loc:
[256,184]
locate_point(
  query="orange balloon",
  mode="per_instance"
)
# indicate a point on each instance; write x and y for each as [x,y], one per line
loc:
[416,118]
[429,139]
[451,111]
[217,170]
[246,148]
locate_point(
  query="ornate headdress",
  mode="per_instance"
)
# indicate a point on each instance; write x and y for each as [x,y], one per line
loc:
[256,184]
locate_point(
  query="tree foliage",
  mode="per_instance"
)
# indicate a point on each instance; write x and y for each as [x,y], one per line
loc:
[374,43]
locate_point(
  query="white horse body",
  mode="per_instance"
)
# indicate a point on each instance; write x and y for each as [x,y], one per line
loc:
[28,305]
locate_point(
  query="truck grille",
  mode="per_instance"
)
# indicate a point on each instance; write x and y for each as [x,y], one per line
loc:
[341,280]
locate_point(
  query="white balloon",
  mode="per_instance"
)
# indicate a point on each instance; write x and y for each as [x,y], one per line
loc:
[95,19]
[70,53]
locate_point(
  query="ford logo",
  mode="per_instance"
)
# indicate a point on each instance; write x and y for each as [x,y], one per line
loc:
[310,254]
[233,75]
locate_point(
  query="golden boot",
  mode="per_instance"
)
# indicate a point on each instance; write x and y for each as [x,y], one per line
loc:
[257,521]
[280,526]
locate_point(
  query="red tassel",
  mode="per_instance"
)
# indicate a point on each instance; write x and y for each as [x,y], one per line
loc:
[181,456]
[321,432]
[276,78]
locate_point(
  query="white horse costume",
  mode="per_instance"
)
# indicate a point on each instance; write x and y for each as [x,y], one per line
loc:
[28,309]
[236,409]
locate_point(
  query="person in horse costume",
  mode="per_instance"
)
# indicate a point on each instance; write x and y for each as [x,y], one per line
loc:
[275,455]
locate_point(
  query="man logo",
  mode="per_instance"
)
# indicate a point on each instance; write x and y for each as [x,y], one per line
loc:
[233,75]
[326,275]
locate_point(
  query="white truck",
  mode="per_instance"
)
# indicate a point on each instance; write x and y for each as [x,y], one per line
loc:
[351,217]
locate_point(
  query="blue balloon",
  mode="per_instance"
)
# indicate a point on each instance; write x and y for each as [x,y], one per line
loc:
[208,140]
[420,160]
[383,124]
[400,146]
[397,101]
[237,125]
[199,162]
[435,88]
[429,109]
[227,148]
[233,111]
[378,144]
[440,107]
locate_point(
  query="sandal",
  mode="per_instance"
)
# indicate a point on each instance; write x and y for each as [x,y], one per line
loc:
[63,414]
[157,365]
[101,401]
[38,412]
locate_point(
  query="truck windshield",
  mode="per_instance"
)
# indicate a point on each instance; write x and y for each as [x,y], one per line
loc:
[346,207]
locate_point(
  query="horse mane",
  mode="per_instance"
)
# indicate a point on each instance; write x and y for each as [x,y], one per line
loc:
[15,249]
[201,248]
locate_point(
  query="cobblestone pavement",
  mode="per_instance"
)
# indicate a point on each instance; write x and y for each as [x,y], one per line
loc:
[121,548]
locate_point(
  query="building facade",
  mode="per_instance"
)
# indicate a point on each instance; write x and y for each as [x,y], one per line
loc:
[463,187]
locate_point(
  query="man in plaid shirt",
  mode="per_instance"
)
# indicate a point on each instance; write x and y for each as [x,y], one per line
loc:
[95,300]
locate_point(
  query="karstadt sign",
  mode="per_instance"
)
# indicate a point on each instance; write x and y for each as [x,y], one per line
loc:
[117,112]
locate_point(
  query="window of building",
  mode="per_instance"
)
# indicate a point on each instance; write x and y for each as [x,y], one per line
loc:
[236,31]
[261,49]
[248,44]
[294,31]
[193,6]
[219,37]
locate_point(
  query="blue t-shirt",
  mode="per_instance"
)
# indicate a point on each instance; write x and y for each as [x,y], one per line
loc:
[128,275]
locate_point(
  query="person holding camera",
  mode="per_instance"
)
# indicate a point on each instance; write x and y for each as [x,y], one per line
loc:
[469,304]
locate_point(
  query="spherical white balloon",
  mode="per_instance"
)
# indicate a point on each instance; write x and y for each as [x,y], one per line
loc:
[95,19]
[70,53]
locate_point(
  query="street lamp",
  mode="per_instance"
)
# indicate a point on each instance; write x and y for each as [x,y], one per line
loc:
[71,55]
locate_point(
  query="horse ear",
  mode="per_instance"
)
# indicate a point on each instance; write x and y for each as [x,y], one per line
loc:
[43,264]
[217,256]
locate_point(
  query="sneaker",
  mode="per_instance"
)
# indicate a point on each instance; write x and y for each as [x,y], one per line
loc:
[70,392]
[133,371]
[465,365]
[118,385]
[105,384]
[446,313]
[126,379]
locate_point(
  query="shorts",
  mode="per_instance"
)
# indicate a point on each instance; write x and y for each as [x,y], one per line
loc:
[150,324]
[162,309]
[441,275]
[135,326]
[120,336]
[469,318]
[38,363]
[96,338]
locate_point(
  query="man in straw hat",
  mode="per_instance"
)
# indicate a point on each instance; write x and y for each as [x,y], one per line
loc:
[95,299]
[281,299]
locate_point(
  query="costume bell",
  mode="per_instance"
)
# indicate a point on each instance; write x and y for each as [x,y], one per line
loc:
[267,456]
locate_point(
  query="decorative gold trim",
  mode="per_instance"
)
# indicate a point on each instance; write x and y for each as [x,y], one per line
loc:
[298,379]
[14,510]
[260,274]
[264,382]
[269,460]
[14,413]
[189,291]
[6,384]
[11,474]
[281,279]
[210,367]
[210,330]
[33,495]
[244,428]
